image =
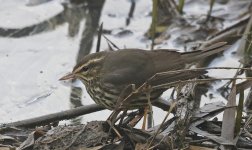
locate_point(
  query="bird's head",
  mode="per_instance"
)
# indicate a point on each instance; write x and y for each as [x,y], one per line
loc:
[88,68]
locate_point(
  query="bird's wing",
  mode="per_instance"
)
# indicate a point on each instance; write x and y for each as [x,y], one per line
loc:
[165,78]
[127,67]
[197,55]
[118,70]
[166,60]
[137,66]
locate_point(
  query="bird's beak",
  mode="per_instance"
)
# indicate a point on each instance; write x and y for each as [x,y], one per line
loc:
[68,76]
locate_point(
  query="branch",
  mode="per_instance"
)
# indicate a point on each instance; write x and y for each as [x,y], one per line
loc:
[46,119]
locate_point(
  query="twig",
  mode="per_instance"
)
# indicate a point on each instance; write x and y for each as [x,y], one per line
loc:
[168,85]
[99,38]
[110,42]
[157,132]
[146,85]
[46,119]
[116,131]
[197,69]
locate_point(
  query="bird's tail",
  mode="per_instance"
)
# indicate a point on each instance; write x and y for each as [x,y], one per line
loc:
[208,51]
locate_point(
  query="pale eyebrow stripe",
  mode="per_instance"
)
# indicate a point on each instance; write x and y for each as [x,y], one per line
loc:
[88,63]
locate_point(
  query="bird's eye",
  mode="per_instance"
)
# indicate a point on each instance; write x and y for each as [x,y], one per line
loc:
[84,69]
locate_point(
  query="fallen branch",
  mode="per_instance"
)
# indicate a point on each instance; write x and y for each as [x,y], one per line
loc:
[47,119]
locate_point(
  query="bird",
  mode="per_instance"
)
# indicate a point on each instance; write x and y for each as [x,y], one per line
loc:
[108,74]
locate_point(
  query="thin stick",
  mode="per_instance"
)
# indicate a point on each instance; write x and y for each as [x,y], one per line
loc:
[46,119]
[157,132]
[168,85]
[199,69]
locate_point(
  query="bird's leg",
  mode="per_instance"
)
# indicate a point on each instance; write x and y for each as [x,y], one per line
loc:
[111,121]
[113,116]
[147,108]
[119,104]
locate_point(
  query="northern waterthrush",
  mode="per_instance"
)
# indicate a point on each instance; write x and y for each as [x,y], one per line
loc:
[107,74]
